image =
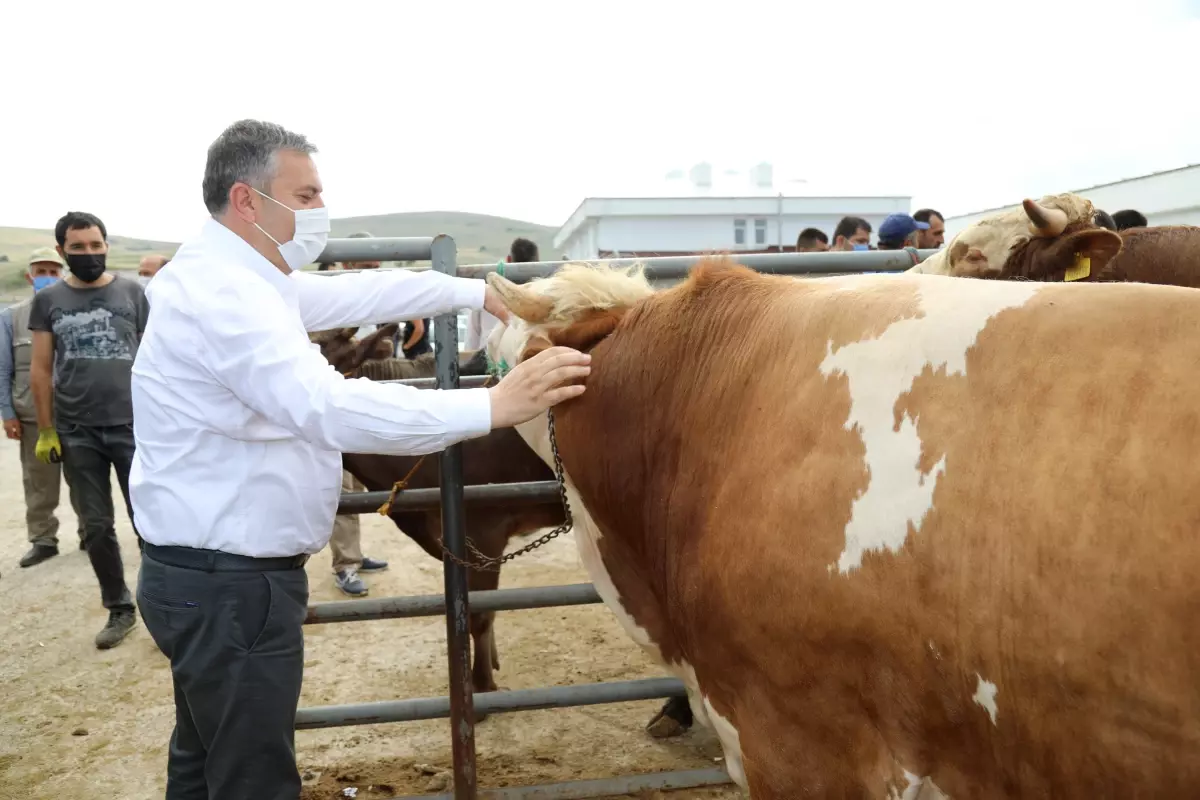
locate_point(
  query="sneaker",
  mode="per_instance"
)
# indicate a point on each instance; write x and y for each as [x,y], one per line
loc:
[120,623]
[348,581]
[372,565]
[37,554]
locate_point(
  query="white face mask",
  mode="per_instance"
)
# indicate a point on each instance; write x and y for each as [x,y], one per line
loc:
[312,230]
[144,280]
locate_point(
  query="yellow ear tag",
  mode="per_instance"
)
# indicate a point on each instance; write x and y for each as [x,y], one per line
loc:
[1082,268]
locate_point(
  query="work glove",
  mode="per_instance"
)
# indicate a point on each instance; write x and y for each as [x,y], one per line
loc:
[48,449]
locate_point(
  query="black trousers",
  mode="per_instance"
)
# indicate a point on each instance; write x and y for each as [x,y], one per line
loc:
[90,454]
[231,626]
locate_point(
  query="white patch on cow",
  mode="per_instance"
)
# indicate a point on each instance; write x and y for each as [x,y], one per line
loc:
[880,371]
[985,696]
[703,711]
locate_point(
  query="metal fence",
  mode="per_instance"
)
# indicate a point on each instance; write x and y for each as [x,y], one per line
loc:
[456,603]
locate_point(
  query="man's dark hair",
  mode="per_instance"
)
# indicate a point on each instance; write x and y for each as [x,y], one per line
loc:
[1104,220]
[810,236]
[246,152]
[926,214]
[325,266]
[77,221]
[523,251]
[849,226]
[1129,218]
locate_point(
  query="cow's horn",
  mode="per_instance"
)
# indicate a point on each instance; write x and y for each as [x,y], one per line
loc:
[524,304]
[1044,221]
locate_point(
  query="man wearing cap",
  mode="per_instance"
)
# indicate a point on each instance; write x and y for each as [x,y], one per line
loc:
[897,232]
[42,482]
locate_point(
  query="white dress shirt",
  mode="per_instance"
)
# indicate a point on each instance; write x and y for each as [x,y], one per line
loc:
[239,421]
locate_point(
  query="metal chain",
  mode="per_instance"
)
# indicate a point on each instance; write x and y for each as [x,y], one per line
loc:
[490,564]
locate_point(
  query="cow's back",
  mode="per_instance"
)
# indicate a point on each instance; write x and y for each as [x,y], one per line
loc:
[912,523]
[1168,255]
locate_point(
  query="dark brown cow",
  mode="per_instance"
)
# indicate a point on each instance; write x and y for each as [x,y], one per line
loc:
[499,457]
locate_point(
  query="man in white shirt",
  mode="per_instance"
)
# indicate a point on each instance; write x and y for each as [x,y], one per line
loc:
[240,424]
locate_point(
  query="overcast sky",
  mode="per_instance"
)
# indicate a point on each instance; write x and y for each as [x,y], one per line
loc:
[521,109]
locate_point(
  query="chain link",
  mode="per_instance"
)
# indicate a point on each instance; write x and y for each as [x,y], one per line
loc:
[491,564]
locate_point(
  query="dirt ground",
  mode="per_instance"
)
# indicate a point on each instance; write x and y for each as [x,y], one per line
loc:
[79,722]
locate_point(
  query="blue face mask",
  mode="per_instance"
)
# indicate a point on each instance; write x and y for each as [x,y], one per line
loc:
[862,247]
[42,281]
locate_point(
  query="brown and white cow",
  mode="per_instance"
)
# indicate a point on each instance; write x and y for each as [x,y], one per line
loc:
[903,533]
[1045,243]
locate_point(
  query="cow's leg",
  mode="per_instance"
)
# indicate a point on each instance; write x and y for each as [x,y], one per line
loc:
[673,719]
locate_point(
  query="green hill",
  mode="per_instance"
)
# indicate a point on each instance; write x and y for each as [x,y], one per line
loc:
[480,238]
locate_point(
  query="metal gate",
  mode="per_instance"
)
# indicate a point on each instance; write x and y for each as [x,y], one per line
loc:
[456,603]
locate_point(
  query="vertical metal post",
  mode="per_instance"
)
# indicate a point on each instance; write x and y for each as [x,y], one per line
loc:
[458,621]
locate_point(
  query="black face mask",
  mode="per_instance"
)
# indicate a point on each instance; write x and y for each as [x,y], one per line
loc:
[88,267]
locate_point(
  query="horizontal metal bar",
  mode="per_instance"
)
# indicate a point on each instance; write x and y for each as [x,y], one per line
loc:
[499,494]
[603,787]
[465,382]
[588,694]
[676,267]
[384,248]
[432,605]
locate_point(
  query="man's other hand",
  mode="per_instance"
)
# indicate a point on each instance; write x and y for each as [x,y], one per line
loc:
[537,384]
[494,305]
[12,429]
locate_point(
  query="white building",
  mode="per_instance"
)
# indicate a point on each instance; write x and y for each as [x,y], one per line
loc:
[738,211]
[1166,198]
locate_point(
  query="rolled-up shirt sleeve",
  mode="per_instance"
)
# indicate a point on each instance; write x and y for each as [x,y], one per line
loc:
[377,297]
[254,348]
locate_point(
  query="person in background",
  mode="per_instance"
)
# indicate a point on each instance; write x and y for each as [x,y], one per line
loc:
[149,266]
[86,331]
[852,233]
[345,544]
[1104,220]
[480,323]
[899,231]
[812,240]
[42,482]
[934,235]
[1130,218]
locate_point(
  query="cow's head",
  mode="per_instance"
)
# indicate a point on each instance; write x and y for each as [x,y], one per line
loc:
[984,249]
[346,353]
[578,306]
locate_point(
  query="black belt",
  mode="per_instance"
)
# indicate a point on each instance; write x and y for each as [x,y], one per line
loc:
[217,561]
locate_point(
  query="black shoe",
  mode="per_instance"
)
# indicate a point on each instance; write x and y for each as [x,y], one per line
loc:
[120,623]
[37,554]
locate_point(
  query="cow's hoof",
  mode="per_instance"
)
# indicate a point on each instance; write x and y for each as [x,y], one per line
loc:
[666,727]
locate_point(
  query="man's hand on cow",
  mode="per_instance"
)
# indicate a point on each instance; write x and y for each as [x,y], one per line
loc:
[12,429]
[537,384]
[494,305]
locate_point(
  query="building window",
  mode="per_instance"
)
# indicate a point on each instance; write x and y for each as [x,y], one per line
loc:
[739,231]
[760,231]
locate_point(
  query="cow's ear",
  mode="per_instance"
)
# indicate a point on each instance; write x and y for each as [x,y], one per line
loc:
[586,333]
[1085,254]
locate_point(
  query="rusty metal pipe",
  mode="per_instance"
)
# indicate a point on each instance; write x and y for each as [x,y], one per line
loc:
[603,787]
[432,605]
[588,694]
[491,494]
